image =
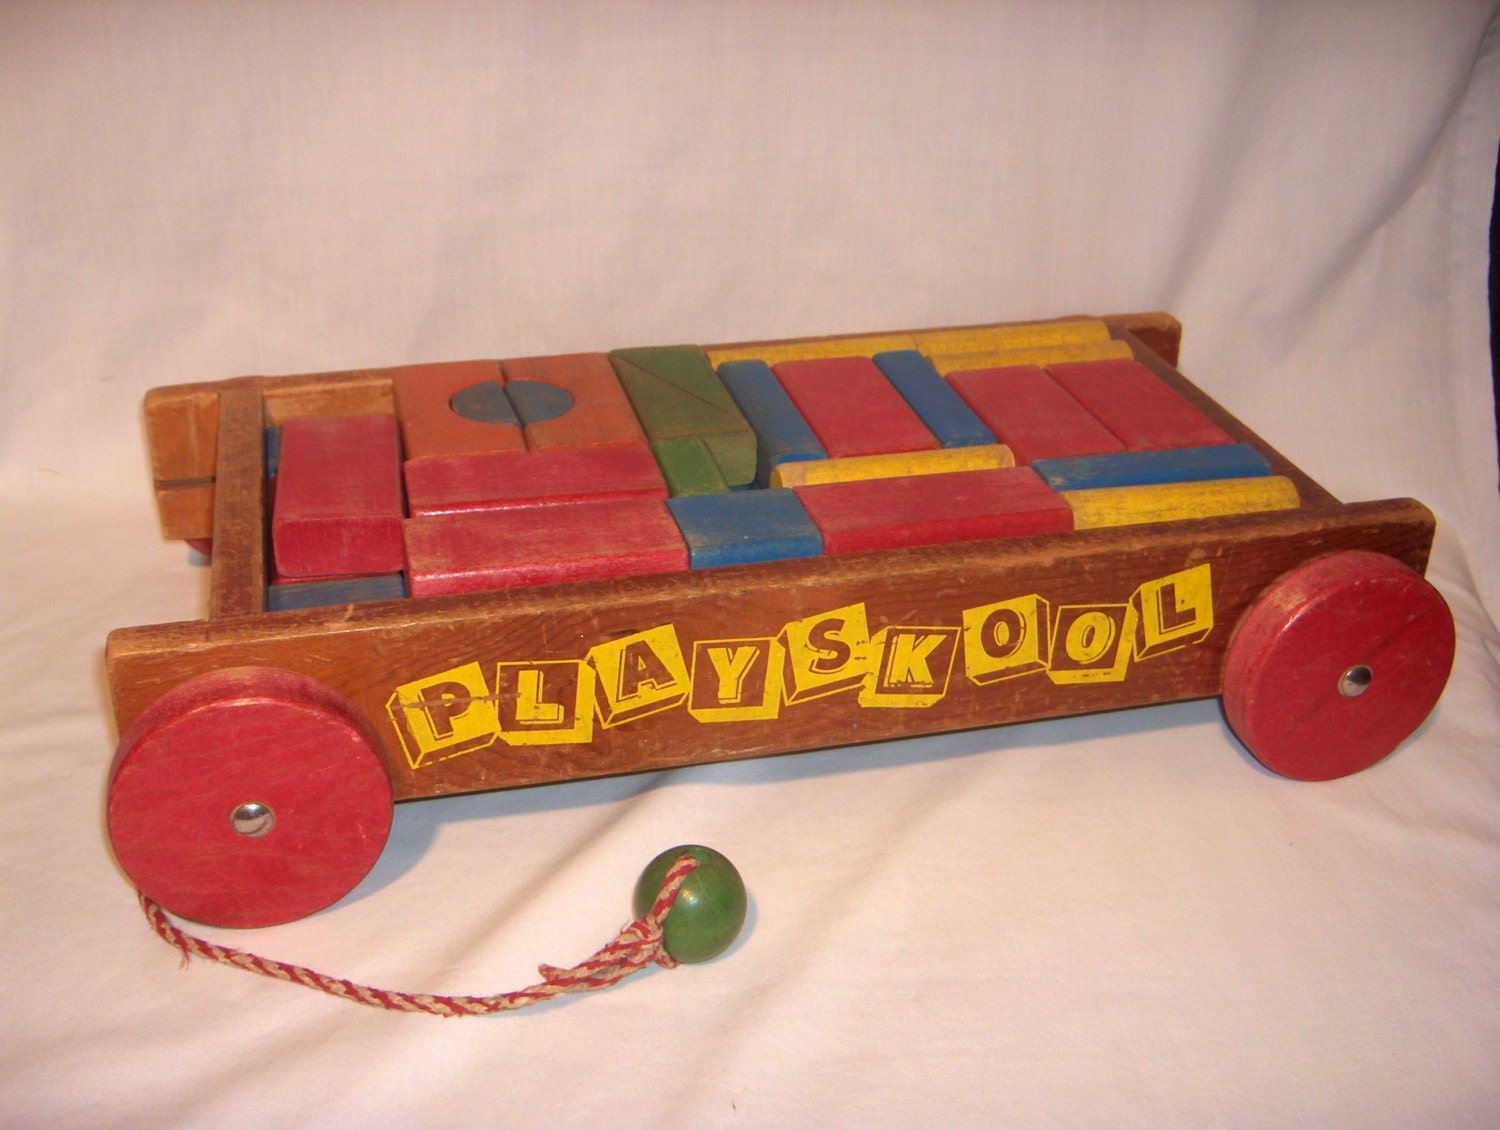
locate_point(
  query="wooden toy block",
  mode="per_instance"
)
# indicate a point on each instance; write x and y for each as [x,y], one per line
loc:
[1032,414]
[745,527]
[688,466]
[901,464]
[538,545]
[1129,399]
[999,339]
[933,399]
[500,480]
[811,349]
[338,497]
[675,393]
[1177,502]
[781,434]
[273,451]
[1141,468]
[852,408]
[600,415]
[331,593]
[429,425]
[930,509]
[186,510]
[950,363]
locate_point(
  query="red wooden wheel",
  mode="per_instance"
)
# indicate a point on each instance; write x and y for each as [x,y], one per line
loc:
[1336,664]
[248,797]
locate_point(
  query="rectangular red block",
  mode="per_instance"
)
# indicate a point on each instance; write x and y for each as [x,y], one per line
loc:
[852,408]
[1033,414]
[600,413]
[1137,406]
[495,549]
[430,426]
[503,479]
[932,509]
[338,505]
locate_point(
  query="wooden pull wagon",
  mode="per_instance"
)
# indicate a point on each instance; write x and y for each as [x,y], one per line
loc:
[261,751]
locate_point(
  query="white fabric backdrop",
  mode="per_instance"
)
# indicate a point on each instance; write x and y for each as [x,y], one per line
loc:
[1118,920]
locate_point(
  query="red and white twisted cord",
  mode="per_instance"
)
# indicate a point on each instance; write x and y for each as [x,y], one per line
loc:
[638,945]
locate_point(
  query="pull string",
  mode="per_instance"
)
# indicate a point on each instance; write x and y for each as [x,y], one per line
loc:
[637,945]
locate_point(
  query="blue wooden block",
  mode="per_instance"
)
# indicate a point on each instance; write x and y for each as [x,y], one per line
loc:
[273,451]
[1142,468]
[745,526]
[339,590]
[781,434]
[930,396]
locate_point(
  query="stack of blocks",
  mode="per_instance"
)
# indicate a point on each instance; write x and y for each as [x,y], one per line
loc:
[494,474]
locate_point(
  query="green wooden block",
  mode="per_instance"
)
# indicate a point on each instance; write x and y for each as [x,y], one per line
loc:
[689,466]
[676,395]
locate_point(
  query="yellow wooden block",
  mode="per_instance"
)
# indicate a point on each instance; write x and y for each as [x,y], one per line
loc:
[775,353]
[895,466]
[995,339]
[1174,502]
[1038,355]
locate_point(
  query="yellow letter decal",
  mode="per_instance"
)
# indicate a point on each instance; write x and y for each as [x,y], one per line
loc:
[545,703]
[1091,643]
[1006,639]
[1174,611]
[639,675]
[912,667]
[736,680]
[826,654]
[443,715]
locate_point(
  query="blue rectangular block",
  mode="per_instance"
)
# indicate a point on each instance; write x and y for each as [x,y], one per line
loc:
[931,398]
[781,434]
[1143,468]
[273,451]
[745,526]
[330,593]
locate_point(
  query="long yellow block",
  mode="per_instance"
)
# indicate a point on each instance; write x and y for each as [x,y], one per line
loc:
[1038,355]
[898,465]
[812,350]
[995,339]
[1174,502]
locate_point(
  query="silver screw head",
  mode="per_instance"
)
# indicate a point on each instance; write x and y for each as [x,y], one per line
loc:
[1355,681]
[252,819]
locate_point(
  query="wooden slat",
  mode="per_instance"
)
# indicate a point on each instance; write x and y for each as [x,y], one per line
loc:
[364,652]
[238,583]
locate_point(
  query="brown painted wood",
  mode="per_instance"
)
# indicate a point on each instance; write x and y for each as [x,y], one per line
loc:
[366,653]
[237,586]
[1156,330]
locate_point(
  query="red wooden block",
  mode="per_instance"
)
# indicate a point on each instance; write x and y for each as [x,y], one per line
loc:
[496,549]
[530,478]
[1033,414]
[338,497]
[852,408]
[1336,664]
[930,509]
[601,412]
[430,426]
[1137,406]
[192,765]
